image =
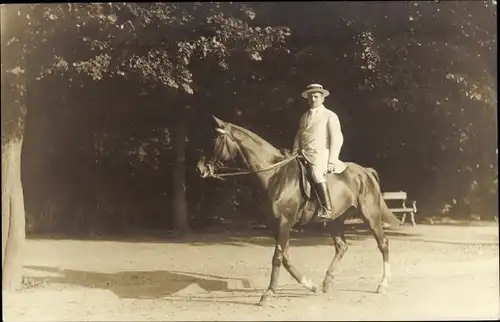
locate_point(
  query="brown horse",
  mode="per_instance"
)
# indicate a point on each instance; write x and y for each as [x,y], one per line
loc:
[289,203]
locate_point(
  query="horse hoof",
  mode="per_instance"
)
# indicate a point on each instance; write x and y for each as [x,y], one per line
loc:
[382,289]
[264,301]
[326,287]
[314,289]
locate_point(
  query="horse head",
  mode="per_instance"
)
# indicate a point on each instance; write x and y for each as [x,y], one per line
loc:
[225,149]
[232,141]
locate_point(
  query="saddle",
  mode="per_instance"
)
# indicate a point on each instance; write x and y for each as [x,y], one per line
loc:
[311,207]
[305,179]
[306,182]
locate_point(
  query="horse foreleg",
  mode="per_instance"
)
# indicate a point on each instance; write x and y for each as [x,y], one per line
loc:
[337,233]
[282,238]
[303,280]
[281,256]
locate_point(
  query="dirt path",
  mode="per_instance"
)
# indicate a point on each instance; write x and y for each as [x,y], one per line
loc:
[439,272]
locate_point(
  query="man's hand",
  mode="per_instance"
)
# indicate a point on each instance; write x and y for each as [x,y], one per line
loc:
[330,168]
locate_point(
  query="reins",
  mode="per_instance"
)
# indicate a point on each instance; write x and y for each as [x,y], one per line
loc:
[276,165]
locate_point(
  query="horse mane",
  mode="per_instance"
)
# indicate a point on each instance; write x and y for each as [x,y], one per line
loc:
[264,146]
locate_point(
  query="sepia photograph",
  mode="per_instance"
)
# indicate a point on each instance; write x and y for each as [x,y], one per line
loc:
[250,161]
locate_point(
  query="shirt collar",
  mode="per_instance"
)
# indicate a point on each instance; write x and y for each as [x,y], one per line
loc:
[319,108]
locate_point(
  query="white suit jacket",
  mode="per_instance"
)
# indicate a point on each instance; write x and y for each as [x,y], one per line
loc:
[320,137]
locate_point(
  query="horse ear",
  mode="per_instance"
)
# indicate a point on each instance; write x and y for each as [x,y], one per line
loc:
[219,122]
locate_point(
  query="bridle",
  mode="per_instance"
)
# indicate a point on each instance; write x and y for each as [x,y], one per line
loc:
[244,171]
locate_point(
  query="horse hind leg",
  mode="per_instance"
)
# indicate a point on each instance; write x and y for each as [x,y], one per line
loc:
[373,214]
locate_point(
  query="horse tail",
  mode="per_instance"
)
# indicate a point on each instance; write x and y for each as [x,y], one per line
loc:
[388,215]
[386,212]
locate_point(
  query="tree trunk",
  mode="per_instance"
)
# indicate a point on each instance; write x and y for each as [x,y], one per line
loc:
[13,110]
[13,216]
[181,222]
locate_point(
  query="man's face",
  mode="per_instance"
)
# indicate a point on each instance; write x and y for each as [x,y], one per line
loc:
[315,99]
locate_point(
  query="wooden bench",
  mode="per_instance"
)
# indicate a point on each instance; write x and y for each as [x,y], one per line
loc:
[401,195]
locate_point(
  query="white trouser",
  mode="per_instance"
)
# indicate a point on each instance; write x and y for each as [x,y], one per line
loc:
[318,174]
[318,160]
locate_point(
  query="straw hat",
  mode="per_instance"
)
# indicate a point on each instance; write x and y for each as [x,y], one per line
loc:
[315,88]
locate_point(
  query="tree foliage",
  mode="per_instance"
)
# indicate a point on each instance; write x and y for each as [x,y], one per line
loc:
[157,41]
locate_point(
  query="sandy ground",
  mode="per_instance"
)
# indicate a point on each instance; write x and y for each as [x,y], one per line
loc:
[439,272]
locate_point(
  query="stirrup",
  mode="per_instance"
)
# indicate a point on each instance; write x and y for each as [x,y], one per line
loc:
[324,214]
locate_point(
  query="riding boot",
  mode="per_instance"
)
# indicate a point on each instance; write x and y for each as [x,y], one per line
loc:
[324,199]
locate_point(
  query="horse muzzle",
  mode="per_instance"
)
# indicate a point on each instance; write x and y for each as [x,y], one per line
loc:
[205,170]
[202,168]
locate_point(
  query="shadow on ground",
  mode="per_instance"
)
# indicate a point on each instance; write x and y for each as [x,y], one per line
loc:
[140,284]
[168,285]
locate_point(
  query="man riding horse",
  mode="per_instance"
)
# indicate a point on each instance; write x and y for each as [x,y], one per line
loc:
[319,140]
